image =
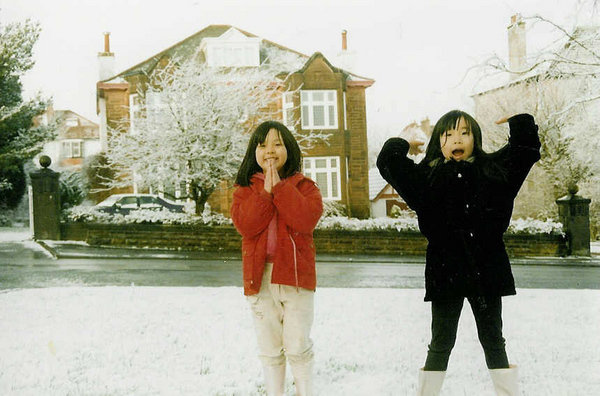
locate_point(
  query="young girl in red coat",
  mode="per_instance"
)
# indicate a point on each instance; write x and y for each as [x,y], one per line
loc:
[275,209]
[464,198]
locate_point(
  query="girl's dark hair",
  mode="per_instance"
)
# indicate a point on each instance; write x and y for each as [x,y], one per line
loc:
[249,165]
[449,121]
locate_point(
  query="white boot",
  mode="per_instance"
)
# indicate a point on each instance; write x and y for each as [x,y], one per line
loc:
[303,377]
[274,379]
[430,382]
[505,381]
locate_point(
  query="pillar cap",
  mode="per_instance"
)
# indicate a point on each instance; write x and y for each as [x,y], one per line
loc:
[45,161]
[572,198]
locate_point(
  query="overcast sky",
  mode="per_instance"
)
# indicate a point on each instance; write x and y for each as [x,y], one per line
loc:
[416,50]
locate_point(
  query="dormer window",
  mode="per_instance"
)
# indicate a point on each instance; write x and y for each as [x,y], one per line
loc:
[71,122]
[232,49]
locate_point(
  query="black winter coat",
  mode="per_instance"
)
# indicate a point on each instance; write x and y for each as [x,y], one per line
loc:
[464,208]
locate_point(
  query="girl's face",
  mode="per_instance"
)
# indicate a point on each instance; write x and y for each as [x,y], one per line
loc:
[271,150]
[457,144]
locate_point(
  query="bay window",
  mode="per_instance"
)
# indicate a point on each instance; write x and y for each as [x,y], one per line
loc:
[326,172]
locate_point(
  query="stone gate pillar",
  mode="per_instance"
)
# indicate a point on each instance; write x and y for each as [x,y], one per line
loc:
[574,214]
[45,201]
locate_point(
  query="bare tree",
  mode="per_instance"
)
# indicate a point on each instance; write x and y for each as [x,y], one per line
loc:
[561,88]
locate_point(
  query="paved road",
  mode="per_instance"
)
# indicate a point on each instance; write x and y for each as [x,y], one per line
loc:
[24,264]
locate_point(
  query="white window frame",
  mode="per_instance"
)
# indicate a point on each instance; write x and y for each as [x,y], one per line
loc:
[311,171]
[308,102]
[72,148]
[345,113]
[287,108]
[134,111]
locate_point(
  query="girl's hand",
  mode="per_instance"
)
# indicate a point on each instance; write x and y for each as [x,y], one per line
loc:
[502,120]
[416,146]
[274,174]
[268,177]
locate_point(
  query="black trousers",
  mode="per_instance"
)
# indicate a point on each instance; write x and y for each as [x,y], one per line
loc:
[444,324]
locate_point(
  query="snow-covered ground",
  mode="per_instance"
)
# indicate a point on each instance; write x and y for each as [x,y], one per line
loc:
[200,341]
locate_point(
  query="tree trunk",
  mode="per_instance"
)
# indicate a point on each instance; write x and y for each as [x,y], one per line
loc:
[200,195]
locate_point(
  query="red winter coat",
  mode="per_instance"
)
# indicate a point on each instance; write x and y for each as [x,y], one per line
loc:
[298,203]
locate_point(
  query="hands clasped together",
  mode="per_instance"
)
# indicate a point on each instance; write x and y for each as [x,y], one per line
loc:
[271,175]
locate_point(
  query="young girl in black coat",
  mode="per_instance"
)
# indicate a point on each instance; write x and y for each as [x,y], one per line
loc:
[464,198]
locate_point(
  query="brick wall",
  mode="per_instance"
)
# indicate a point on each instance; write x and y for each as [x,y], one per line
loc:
[226,239]
[117,106]
[358,174]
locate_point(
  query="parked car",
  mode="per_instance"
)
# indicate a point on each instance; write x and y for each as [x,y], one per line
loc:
[125,203]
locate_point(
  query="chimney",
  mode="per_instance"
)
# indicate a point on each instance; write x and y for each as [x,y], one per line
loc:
[106,42]
[345,59]
[517,46]
[106,60]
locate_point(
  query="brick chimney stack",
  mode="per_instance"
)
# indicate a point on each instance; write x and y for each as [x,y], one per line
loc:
[106,42]
[517,46]
[345,59]
[106,60]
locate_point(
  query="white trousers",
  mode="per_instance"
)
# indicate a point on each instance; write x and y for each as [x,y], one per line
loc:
[283,317]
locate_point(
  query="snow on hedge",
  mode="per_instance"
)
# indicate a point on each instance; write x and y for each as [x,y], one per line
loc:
[378,223]
[533,226]
[143,216]
[405,223]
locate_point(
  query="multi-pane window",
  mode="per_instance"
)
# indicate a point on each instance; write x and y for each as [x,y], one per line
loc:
[71,149]
[288,109]
[326,172]
[319,109]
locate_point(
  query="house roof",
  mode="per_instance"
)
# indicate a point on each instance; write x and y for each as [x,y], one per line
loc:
[189,45]
[66,113]
[565,49]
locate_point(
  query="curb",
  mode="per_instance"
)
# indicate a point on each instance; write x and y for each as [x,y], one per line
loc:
[111,253]
[47,248]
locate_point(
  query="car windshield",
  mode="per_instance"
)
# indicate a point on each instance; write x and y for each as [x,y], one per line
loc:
[128,202]
[169,201]
[147,200]
[109,201]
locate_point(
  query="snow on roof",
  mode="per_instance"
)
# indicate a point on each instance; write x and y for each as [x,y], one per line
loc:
[556,61]
[184,48]
[376,183]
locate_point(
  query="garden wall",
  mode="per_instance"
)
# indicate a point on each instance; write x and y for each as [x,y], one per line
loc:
[226,239]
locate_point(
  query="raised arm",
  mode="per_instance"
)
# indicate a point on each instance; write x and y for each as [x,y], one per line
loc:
[300,206]
[400,171]
[251,211]
[522,150]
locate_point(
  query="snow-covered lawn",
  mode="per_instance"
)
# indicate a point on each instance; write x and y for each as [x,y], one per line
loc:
[200,341]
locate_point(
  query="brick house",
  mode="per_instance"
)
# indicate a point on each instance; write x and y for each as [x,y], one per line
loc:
[542,90]
[319,96]
[77,139]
